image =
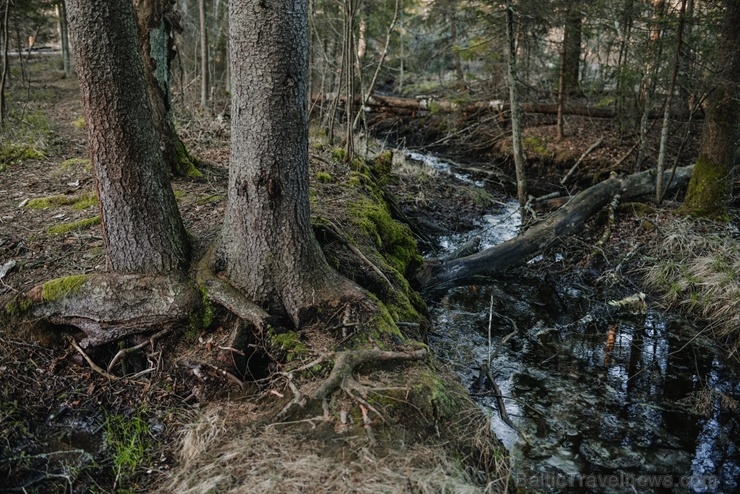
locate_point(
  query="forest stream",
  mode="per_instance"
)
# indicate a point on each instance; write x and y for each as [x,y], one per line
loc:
[604,399]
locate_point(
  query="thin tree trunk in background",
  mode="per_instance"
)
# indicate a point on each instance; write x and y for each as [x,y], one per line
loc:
[570,57]
[625,32]
[456,60]
[686,88]
[516,112]
[668,103]
[141,225]
[562,88]
[649,81]
[369,91]
[572,46]
[6,65]
[204,82]
[349,53]
[64,39]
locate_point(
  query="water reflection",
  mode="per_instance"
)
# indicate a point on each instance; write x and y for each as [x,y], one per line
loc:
[599,395]
[596,395]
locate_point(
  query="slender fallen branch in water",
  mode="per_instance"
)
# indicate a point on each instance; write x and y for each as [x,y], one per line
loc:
[499,397]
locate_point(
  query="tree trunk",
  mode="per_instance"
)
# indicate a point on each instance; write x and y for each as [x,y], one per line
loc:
[157,24]
[64,39]
[456,59]
[204,82]
[438,276]
[570,56]
[710,189]
[516,118]
[668,104]
[572,42]
[142,229]
[349,54]
[267,248]
[649,80]
[686,88]
[6,64]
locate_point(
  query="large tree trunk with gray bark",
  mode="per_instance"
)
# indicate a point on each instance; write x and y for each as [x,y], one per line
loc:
[267,248]
[142,229]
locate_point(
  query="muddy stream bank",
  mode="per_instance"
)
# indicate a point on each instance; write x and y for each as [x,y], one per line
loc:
[603,398]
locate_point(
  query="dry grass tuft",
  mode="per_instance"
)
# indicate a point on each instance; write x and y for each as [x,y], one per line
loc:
[224,451]
[697,269]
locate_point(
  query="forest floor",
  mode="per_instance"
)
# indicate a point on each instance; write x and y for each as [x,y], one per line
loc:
[66,427]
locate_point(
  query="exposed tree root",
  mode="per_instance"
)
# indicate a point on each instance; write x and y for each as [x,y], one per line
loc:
[341,377]
[108,307]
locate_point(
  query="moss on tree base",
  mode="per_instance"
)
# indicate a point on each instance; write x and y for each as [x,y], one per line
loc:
[709,191]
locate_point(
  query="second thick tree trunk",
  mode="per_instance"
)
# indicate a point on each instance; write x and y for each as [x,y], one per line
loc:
[267,247]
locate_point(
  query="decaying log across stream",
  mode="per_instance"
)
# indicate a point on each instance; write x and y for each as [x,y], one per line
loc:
[394,104]
[437,276]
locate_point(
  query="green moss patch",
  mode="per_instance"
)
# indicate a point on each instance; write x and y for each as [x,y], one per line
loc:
[289,344]
[534,146]
[186,163]
[381,166]
[324,177]
[78,202]
[18,306]
[61,287]
[75,162]
[439,399]
[15,153]
[392,238]
[75,225]
[709,191]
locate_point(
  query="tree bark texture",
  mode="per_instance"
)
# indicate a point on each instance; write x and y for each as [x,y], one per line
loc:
[438,276]
[108,307]
[204,82]
[516,112]
[142,228]
[157,22]
[710,189]
[6,64]
[64,39]
[572,46]
[267,248]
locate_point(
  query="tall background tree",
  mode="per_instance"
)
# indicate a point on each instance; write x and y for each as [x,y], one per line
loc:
[158,23]
[710,189]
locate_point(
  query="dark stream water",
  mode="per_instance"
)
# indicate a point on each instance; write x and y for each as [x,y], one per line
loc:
[603,400]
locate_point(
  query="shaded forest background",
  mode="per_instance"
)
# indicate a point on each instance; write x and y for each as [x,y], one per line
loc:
[617,59]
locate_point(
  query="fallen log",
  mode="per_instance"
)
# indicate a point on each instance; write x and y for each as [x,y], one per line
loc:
[377,103]
[438,276]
